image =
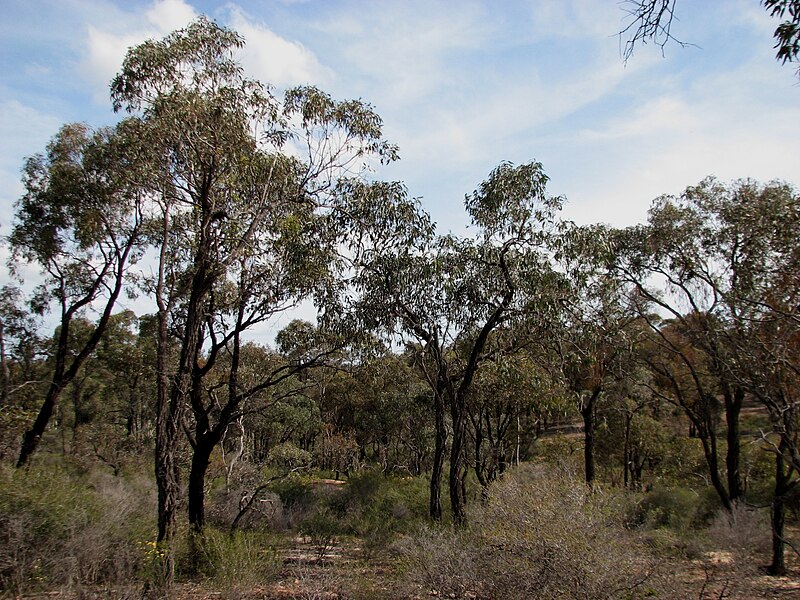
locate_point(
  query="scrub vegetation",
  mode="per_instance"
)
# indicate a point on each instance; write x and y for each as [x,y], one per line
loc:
[533,410]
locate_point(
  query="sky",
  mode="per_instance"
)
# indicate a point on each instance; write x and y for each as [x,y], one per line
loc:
[460,85]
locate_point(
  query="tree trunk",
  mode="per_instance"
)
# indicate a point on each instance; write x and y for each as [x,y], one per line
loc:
[626,453]
[588,414]
[32,437]
[457,496]
[6,373]
[778,516]
[201,458]
[733,407]
[435,506]
[169,415]
[709,442]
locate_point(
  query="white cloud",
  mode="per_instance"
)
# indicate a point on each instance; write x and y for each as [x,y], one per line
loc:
[267,56]
[107,43]
[659,116]
[575,19]
[24,131]
[273,59]
[168,15]
[404,52]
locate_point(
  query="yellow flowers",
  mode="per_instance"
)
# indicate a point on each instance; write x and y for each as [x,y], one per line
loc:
[153,551]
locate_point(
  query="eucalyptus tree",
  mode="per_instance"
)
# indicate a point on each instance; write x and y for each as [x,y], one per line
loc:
[677,276]
[451,295]
[755,229]
[251,197]
[79,223]
[589,347]
[505,391]
[19,344]
[721,263]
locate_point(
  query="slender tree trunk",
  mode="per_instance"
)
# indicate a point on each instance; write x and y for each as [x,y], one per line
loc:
[778,516]
[457,496]
[588,414]
[440,443]
[626,453]
[6,373]
[169,416]
[709,441]
[482,471]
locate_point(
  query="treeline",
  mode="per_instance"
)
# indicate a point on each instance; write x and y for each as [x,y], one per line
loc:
[436,354]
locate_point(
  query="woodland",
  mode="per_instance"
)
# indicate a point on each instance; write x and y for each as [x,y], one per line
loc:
[535,410]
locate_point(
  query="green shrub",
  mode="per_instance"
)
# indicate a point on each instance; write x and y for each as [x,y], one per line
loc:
[322,528]
[294,491]
[377,508]
[287,456]
[674,507]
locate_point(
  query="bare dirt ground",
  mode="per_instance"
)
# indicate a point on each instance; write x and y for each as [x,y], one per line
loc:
[343,574]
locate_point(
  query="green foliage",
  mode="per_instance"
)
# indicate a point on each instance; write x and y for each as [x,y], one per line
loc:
[287,457]
[378,508]
[675,508]
[322,528]
[294,491]
[13,421]
[787,34]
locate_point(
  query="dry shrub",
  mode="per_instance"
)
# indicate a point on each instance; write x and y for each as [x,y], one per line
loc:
[541,534]
[734,546]
[265,513]
[744,533]
[237,563]
[64,530]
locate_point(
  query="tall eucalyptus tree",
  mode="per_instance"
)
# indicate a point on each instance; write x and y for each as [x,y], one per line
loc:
[451,295]
[80,223]
[253,197]
[590,346]
[720,264]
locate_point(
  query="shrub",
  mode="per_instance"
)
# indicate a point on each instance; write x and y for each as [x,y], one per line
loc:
[541,534]
[322,528]
[676,508]
[58,528]
[377,508]
[238,562]
[287,456]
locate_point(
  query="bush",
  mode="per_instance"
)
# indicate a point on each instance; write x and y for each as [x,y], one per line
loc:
[377,508]
[287,456]
[540,535]
[240,561]
[59,529]
[322,529]
[676,508]
[265,513]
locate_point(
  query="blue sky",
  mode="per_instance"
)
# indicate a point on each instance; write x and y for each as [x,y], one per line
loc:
[460,85]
